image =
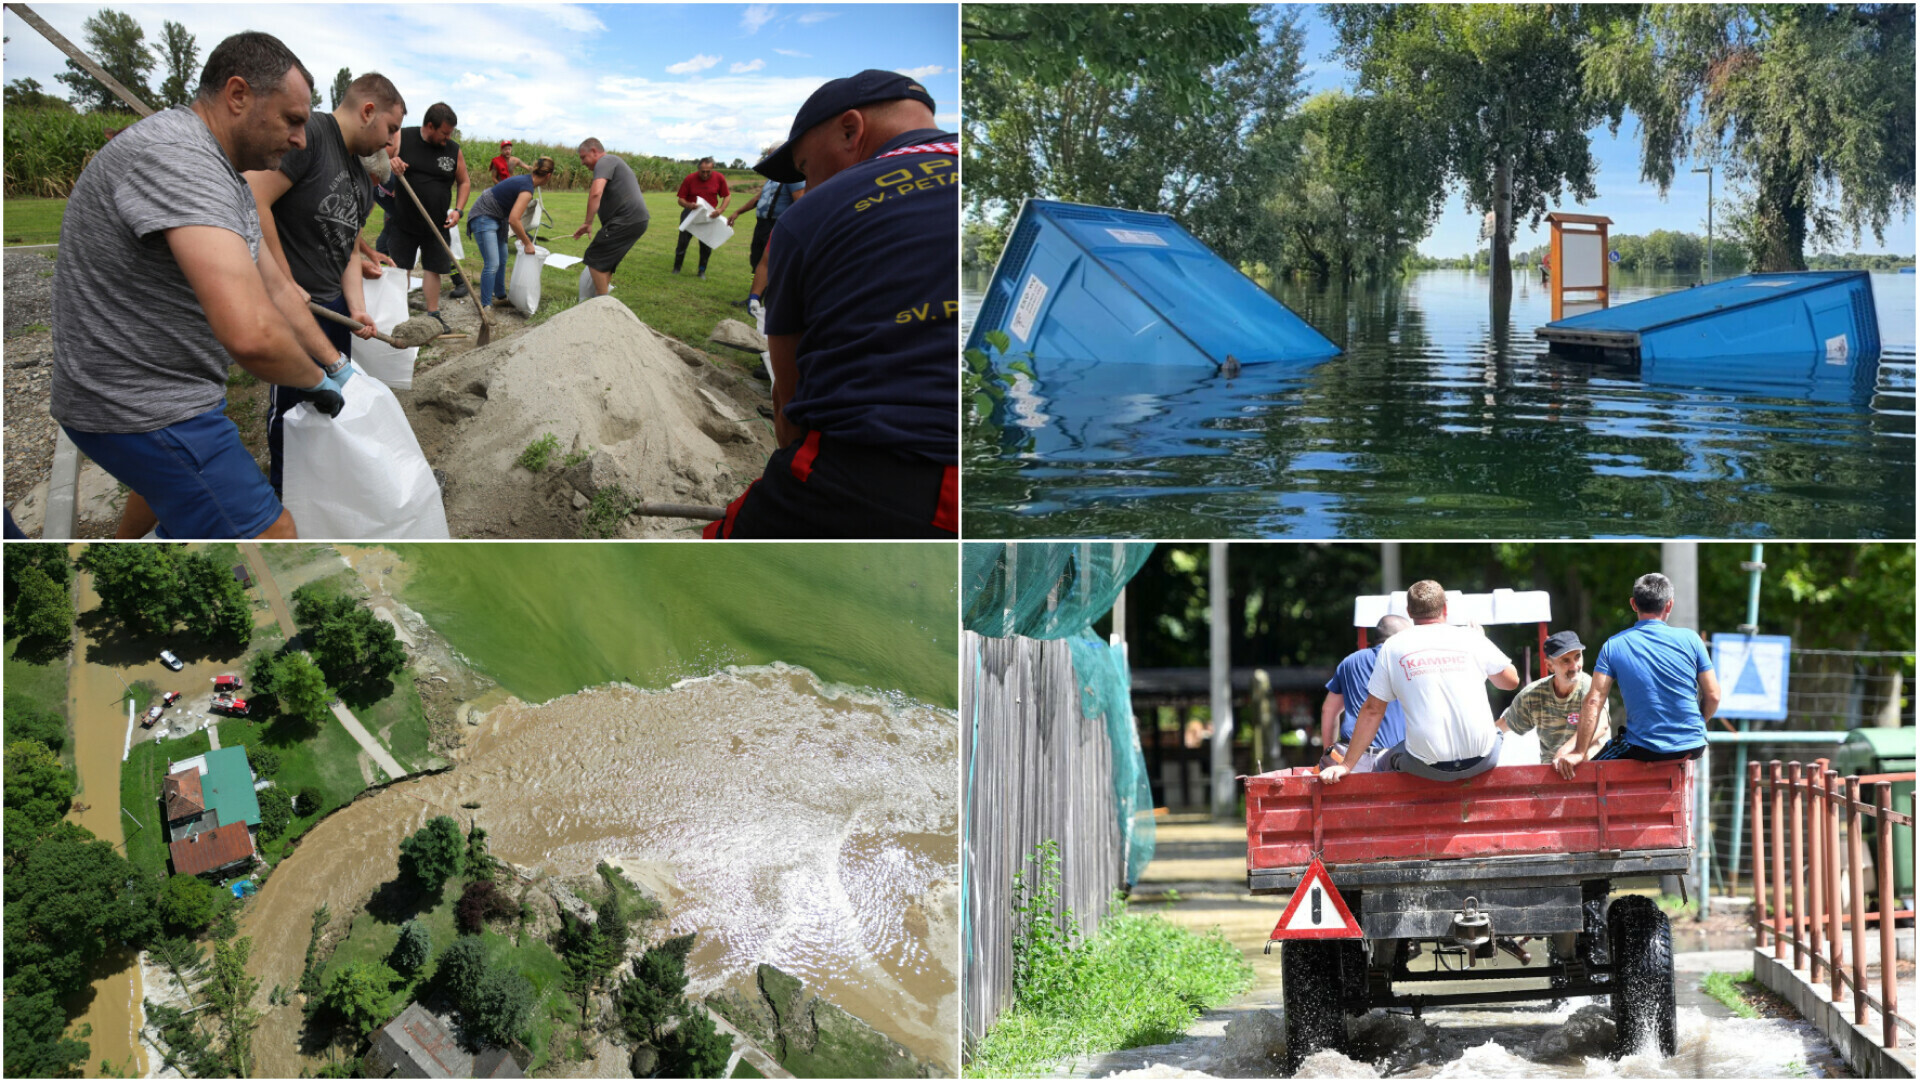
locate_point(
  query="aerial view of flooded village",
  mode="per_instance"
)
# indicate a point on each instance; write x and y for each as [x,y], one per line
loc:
[481,810]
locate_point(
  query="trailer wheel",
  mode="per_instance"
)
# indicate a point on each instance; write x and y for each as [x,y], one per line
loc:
[1310,993]
[1642,946]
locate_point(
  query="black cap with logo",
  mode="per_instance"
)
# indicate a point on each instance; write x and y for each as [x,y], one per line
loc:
[830,101]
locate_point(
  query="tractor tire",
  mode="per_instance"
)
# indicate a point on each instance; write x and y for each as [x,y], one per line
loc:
[1643,1005]
[1311,996]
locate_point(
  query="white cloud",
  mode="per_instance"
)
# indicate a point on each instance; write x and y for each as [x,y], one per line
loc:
[794,52]
[755,17]
[812,17]
[700,62]
[470,81]
[921,72]
[950,121]
[753,65]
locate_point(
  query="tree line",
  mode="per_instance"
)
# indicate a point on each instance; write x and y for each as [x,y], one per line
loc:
[1200,112]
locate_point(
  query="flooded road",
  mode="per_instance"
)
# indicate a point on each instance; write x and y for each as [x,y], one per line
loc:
[786,822]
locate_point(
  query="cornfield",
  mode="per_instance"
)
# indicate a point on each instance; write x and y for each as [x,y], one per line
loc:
[654,173]
[45,149]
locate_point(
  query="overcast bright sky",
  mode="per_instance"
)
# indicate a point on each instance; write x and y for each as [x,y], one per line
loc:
[1635,206]
[673,80]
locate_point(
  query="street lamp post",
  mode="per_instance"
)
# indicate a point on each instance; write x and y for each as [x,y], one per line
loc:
[1709,171]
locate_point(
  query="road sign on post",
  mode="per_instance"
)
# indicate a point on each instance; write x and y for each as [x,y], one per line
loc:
[1577,244]
[1752,669]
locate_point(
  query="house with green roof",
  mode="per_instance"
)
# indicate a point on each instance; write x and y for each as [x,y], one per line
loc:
[212,812]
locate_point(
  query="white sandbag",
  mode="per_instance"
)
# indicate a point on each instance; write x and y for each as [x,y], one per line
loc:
[453,241]
[523,287]
[707,227]
[387,303]
[359,475]
[586,284]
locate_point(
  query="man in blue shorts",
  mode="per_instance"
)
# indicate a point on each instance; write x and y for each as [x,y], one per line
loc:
[862,309]
[1666,681]
[1347,692]
[162,288]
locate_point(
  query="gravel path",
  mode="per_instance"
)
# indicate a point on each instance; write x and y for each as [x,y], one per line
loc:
[28,309]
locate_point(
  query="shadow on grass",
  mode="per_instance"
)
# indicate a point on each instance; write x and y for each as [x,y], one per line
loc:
[42,650]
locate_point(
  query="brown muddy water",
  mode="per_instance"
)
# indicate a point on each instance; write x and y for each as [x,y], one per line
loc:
[787,822]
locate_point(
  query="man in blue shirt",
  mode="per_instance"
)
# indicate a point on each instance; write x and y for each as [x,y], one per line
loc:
[862,322]
[1666,680]
[1347,692]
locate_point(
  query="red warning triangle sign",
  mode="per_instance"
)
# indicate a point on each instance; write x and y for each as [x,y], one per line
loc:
[1316,910]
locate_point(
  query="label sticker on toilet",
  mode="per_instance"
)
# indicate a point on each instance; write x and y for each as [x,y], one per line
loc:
[1137,236]
[1028,309]
[1837,350]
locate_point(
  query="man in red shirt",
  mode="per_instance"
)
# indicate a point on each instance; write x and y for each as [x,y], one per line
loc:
[709,185]
[504,165]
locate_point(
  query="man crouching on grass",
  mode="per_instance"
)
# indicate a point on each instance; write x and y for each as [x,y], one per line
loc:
[161,288]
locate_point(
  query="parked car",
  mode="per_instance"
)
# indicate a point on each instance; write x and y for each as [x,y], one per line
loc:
[167,699]
[226,684]
[153,714]
[172,661]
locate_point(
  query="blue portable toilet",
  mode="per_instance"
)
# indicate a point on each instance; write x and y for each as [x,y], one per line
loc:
[1801,329]
[1095,283]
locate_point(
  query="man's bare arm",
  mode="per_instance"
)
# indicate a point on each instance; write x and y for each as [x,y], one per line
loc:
[1507,678]
[1591,707]
[244,320]
[466,186]
[291,300]
[594,191]
[1365,727]
[784,351]
[1330,711]
[267,186]
[1709,694]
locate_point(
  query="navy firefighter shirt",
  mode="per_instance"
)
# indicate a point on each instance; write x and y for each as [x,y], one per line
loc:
[862,269]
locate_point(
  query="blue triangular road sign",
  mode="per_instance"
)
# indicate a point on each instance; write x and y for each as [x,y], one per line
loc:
[1749,681]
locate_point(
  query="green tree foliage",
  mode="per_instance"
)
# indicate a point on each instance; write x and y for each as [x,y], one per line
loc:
[1054,114]
[462,965]
[264,760]
[310,800]
[360,992]
[1366,188]
[36,1037]
[28,94]
[480,865]
[353,646]
[149,588]
[433,854]
[51,559]
[210,601]
[341,80]
[187,904]
[276,812]
[288,683]
[410,953]
[69,899]
[230,993]
[42,610]
[1811,107]
[656,993]
[1500,84]
[26,721]
[38,791]
[180,55]
[118,45]
[499,1006]
[696,1048]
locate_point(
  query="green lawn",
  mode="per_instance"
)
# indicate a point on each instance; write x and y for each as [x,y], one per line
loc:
[34,221]
[141,777]
[327,760]
[400,721]
[41,686]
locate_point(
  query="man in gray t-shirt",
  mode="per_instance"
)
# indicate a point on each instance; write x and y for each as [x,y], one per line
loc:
[615,196]
[159,290]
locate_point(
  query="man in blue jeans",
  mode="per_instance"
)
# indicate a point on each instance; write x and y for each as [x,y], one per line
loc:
[1666,680]
[161,289]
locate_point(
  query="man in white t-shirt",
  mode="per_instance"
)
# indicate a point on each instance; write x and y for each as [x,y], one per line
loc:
[1437,673]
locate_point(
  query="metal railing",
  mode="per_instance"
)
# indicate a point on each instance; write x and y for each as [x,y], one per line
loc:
[1806,805]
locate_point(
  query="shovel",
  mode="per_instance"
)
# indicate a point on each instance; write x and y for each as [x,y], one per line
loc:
[413,333]
[440,237]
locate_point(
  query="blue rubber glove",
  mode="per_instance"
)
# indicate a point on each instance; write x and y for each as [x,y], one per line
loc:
[327,394]
[338,374]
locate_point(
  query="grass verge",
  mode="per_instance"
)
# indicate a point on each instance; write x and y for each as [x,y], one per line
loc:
[141,777]
[39,686]
[1725,988]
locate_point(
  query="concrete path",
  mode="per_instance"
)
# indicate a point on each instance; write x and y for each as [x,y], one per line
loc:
[284,617]
[744,1047]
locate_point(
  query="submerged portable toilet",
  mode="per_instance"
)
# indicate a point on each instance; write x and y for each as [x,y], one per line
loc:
[1094,283]
[1792,328]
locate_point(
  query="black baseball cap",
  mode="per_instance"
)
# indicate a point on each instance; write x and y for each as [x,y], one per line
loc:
[1562,643]
[830,101]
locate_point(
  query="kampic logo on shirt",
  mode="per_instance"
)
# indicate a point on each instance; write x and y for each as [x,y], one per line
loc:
[1432,662]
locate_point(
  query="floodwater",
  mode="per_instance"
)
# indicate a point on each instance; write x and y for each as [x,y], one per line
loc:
[1439,421]
[788,821]
[549,619]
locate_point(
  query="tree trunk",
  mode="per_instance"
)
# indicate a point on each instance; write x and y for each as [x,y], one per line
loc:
[1502,268]
[1780,220]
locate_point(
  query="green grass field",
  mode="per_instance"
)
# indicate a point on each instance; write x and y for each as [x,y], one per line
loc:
[141,777]
[41,686]
[33,221]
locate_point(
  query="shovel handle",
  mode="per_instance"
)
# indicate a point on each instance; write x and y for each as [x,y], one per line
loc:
[440,237]
[329,313]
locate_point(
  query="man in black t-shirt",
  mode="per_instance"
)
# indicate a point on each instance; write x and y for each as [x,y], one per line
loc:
[862,307]
[432,163]
[313,207]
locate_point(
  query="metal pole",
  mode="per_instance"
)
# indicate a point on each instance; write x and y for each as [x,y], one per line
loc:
[1221,700]
[1816,871]
[1776,848]
[1390,566]
[1797,792]
[1753,567]
[1831,783]
[1889,1004]
[1857,901]
[1759,879]
[1703,858]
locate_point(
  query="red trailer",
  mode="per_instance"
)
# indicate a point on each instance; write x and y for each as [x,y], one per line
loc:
[1421,870]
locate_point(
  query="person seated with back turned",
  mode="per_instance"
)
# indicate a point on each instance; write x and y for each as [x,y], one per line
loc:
[1436,672]
[1347,692]
[1666,682]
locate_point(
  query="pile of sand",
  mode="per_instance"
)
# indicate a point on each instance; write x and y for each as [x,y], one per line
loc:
[655,425]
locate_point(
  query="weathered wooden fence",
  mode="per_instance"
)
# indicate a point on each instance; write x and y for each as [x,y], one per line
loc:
[1035,769]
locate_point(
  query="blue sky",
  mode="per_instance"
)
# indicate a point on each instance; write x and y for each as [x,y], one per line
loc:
[1634,206]
[673,80]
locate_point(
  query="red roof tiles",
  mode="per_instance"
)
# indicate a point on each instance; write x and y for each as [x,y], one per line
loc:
[208,851]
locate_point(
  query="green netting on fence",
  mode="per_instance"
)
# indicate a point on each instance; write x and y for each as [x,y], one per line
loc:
[1059,591]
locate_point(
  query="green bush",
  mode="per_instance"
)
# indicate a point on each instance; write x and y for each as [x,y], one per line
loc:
[538,453]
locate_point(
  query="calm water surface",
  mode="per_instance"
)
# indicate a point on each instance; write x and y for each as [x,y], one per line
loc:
[1438,420]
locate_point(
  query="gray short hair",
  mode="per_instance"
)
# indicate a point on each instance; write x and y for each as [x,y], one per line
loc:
[589,144]
[1390,625]
[259,59]
[1652,593]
